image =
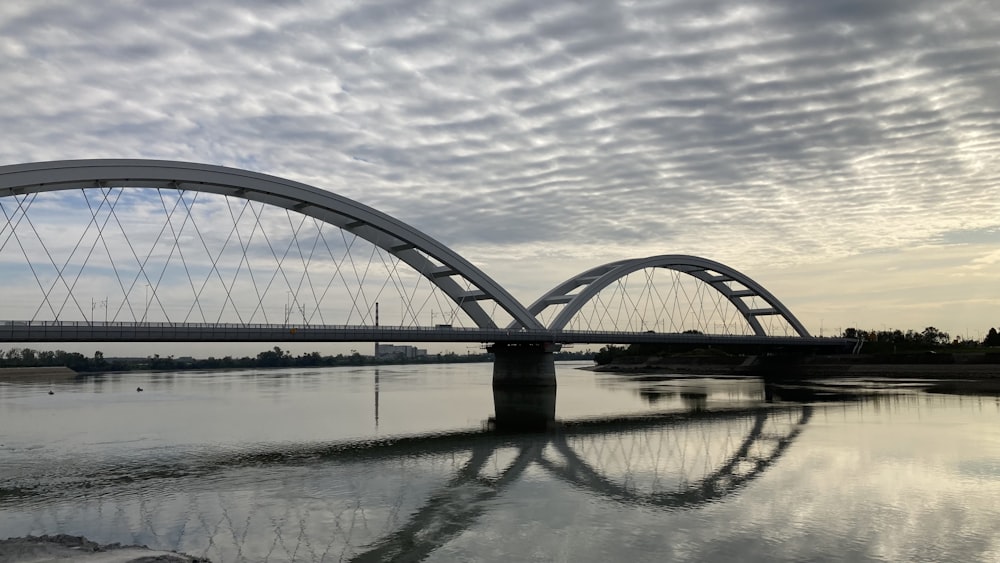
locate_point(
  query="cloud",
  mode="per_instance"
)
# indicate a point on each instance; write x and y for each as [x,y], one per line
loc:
[768,133]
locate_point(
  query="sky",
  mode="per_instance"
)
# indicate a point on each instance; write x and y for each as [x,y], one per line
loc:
[842,153]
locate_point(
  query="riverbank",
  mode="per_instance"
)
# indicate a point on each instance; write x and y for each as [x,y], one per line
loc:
[927,365]
[63,547]
[966,375]
[37,375]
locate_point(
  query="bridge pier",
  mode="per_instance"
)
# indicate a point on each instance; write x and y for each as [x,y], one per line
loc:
[524,364]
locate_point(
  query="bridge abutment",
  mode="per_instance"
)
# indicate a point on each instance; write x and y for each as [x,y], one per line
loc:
[524,364]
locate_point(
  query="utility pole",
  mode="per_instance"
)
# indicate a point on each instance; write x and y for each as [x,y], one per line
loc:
[376,371]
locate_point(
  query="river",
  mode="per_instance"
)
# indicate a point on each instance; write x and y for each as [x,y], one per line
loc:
[419,463]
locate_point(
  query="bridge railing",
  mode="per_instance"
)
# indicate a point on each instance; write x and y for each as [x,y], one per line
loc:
[98,331]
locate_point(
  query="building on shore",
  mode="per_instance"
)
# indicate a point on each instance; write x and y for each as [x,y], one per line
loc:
[390,351]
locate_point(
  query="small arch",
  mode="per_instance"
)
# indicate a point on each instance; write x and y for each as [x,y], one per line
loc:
[713,273]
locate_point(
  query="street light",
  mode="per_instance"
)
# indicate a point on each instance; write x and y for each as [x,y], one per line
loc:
[94,304]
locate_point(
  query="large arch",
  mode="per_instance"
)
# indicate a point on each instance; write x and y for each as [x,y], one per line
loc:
[430,258]
[715,274]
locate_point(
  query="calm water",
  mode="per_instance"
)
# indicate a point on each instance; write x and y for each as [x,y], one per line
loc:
[406,462]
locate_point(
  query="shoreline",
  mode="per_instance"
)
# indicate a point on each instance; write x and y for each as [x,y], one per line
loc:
[914,371]
[947,379]
[64,547]
[36,375]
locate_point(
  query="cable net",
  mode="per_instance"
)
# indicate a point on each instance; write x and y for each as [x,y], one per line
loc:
[668,301]
[168,255]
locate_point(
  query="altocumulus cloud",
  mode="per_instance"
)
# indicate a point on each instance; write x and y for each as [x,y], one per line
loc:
[768,132]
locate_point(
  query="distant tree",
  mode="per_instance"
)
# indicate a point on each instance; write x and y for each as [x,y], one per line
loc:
[275,357]
[992,338]
[935,337]
[608,353]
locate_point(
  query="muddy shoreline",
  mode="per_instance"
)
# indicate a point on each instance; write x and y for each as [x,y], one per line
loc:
[963,378]
[37,375]
[920,371]
[64,547]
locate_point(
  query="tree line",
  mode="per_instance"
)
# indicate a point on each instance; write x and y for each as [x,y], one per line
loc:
[875,342]
[275,357]
[930,338]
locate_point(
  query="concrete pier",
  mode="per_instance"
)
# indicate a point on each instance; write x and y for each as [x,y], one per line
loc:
[524,364]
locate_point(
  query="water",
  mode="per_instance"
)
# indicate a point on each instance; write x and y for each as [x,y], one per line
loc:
[405,462]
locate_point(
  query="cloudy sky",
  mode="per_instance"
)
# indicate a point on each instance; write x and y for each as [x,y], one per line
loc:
[843,153]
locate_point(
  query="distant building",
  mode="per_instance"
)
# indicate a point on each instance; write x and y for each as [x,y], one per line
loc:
[390,351]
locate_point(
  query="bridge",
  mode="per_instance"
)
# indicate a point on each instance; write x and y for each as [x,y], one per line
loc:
[162,251]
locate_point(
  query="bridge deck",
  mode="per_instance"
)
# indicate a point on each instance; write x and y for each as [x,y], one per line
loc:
[79,331]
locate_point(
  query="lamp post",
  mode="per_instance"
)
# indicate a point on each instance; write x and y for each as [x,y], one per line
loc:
[94,304]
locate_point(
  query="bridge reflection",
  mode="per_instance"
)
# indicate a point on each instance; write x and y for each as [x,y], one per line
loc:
[403,498]
[657,461]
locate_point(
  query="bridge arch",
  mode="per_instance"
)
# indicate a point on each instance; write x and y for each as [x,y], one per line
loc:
[430,258]
[715,274]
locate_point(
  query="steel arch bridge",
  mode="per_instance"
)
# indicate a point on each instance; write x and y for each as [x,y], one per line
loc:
[51,257]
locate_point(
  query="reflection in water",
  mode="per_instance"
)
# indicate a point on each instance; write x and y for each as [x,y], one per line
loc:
[695,401]
[379,500]
[286,465]
[524,409]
